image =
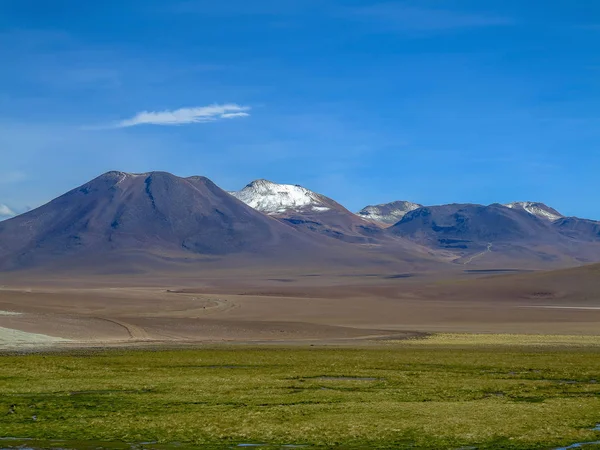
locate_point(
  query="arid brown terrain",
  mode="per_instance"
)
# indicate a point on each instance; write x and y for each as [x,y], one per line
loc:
[246,305]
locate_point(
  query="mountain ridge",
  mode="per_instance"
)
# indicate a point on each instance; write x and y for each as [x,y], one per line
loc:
[159,216]
[537,209]
[497,231]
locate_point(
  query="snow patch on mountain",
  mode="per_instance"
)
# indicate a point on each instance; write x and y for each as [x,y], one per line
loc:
[536,209]
[388,213]
[272,198]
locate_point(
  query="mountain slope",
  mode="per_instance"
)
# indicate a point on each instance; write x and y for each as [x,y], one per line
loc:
[460,225]
[388,213]
[579,229]
[477,233]
[537,209]
[154,212]
[308,211]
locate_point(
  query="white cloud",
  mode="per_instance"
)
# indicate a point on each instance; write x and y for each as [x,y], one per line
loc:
[182,116]
[234,115]
[5,211]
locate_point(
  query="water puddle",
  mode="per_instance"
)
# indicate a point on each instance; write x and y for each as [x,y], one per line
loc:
[31,444]
[579,445]
[269,446]
[582,444]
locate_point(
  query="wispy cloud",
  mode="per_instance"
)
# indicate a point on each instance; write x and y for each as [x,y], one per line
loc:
[405,17]
[234,115]
[183,116]
[5,211]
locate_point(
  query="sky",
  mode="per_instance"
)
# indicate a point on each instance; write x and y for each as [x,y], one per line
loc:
[454,101]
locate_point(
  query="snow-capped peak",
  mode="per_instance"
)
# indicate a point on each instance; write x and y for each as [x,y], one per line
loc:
[272,198]
[536,209]
[388,213]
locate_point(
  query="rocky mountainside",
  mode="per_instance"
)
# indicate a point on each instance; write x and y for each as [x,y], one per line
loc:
[537,209]
[388,213]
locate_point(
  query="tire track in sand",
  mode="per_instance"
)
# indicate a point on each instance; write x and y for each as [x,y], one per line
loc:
[135,332]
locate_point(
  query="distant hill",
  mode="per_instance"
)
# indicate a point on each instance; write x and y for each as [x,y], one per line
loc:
[496,232]
[388,213]
[573,287]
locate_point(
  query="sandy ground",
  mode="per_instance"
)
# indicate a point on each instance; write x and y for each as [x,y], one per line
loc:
[297,307]
[306,308]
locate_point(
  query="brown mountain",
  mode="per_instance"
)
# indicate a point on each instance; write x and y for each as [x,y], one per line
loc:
[155,213]
[141,223]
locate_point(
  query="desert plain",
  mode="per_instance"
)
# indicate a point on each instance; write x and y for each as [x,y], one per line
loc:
[262,306]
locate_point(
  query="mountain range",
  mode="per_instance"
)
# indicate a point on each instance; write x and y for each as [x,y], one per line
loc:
[124,220]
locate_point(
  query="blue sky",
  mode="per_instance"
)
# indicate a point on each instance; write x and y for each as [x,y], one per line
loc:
[364,101]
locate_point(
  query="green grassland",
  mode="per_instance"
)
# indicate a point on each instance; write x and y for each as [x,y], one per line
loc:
[492,394]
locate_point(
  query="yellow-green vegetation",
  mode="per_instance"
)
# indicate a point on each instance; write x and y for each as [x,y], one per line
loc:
[465,339]
[394,396]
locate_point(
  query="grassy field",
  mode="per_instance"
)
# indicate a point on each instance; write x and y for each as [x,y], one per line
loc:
[400,395]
